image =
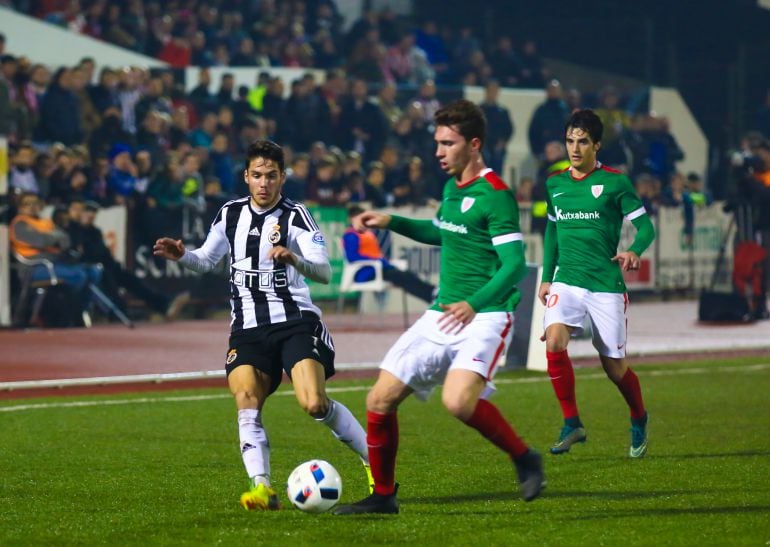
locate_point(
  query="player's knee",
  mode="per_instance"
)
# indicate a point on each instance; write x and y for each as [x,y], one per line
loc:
[459,406]
[315,405]
[246,398]
[555,341]
[377,401]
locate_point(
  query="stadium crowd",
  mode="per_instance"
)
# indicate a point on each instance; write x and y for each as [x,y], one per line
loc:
[136,137]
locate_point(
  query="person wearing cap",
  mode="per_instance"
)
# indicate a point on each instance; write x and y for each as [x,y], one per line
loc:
[88,240]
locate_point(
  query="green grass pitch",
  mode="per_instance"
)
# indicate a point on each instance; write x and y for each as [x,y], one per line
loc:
[164,468]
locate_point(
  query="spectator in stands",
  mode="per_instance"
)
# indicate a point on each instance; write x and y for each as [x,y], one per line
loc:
[548,120]
[222,164]
[273,108]
[700,196]
[554,160]
[653,148]
[200,96]
[361,125]
[676,195]
[307,116]
[225,94]
[7,114]
[36,238]
[165,201]
[60,117]
[90,117]
[69,178]
[325,184]
[405,63]
[105,93]
[295,187]
[649,189]
[203,135]
[374,186]
[88,240]
[386,100]
[123,172]
[505,62]
[154,99]
[98,185]
[364,246]
[616,124]
[499,128]
[129,93]
[428,38]
[22,178]
[533,72]
[109,133]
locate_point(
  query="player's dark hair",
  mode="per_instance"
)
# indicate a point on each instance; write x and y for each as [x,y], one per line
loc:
[267,150]
[465,117]
[588,121]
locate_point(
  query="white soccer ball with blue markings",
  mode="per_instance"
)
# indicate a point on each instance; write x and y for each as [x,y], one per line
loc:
[314,486]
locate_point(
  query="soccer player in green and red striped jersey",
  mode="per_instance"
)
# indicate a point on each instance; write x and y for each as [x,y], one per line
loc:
[458,341]
[582,274]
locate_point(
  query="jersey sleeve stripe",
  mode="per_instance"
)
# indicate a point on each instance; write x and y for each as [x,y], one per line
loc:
[310,224]
[636,214]
[507,238]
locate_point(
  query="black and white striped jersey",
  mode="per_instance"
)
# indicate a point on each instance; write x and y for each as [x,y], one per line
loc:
[262,291]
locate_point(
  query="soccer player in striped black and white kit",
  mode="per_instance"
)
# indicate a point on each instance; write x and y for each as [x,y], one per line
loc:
[273,243]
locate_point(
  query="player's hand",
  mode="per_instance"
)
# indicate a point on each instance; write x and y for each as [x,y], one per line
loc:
[456,317]
[370,219]
[628,260]
[543,292]
[282,255]
[170,249]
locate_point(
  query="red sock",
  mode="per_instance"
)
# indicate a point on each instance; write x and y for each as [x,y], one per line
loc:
[563,381]
[488,421]
[632,393]
[382,440]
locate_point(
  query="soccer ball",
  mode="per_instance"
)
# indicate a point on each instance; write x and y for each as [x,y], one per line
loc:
[314,486]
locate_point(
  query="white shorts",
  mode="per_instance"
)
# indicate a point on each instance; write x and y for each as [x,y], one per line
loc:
[570,305]
[423,355]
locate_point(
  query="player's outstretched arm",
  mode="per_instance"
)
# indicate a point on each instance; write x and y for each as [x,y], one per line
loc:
[170,249]
[370,219]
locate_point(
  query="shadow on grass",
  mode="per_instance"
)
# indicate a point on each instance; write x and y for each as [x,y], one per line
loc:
[462,498]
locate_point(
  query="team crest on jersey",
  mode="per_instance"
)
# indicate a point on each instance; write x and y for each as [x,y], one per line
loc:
[597,190]
[466,204]
[232,355]
[275,235]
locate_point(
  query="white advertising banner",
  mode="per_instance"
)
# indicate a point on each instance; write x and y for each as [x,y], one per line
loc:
[683,265]
[112,221]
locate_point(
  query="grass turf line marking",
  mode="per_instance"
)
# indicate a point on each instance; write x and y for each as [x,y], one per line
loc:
[332,389]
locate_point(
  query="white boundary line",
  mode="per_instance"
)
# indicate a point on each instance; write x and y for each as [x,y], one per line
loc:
[141,378]
[333,389]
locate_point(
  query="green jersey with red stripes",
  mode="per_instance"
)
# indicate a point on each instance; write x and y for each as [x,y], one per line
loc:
[588,215]
[474,219]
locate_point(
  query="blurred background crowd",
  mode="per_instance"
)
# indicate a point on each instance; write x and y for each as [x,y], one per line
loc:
[139,137]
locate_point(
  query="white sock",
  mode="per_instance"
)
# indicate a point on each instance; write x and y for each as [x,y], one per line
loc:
[346,428]
[255,448]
